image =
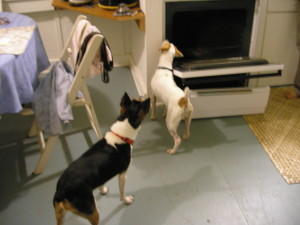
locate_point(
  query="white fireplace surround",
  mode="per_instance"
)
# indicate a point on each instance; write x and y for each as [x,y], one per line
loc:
[145,44]
[145,56]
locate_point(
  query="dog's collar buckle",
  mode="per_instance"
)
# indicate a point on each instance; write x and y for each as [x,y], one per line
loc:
[127,140]
[165,68]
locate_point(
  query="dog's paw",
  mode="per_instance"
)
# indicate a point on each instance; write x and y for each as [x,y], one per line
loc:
[171,151]
[128,199]
[153,118]
[103,190]
[186,136]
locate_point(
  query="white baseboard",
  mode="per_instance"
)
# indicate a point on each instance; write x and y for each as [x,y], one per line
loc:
[121,60]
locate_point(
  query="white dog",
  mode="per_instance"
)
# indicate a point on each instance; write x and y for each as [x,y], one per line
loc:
[178,105]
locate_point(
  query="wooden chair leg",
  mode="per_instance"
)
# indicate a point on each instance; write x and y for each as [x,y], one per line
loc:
[91,111]
[45,154]
[33,129]
[93,120]
[46,148]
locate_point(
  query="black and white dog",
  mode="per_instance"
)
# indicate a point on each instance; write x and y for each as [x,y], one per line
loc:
[107,158]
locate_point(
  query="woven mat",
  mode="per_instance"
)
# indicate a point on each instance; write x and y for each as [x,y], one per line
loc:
[278,131]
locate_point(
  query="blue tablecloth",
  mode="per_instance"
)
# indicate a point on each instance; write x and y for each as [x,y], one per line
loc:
[19,73]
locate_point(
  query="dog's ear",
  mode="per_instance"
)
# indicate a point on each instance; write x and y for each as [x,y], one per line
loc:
[178,53]
[145,107]
[165,46]
[125,101]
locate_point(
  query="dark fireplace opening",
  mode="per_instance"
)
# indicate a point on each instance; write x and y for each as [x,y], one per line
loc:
[208,32]
[210,29]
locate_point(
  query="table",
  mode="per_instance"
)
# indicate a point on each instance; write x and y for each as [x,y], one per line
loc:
[19,73]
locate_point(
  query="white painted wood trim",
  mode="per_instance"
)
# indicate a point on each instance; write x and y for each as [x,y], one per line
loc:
[30,6]
[229,71]
[255,25]
[137,77]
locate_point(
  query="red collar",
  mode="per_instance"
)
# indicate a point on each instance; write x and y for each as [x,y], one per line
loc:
[127,140]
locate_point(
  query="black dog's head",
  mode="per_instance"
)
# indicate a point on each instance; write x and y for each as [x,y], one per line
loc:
[135,110]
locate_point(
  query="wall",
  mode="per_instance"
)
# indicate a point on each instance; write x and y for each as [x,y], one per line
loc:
[278,39]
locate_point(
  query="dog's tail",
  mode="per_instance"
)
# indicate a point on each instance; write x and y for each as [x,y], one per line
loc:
[183,102]
[186,91]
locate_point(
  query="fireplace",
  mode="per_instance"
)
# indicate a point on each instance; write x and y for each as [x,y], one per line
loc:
[212,34]
[217,38]
[210,29]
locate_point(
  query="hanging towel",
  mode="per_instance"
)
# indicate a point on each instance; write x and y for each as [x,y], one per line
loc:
[103,61]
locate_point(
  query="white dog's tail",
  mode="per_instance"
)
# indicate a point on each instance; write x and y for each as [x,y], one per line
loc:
[183,102]
[186,91]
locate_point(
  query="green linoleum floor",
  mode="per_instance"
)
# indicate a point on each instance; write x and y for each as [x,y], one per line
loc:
[221,176]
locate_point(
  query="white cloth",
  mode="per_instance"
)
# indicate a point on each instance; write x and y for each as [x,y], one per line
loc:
[50,105]
[83,29]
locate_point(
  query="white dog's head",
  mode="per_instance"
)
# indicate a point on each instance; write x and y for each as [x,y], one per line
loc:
[169,47]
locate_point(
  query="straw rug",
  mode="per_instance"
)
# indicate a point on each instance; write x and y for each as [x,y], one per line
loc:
[278,130]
